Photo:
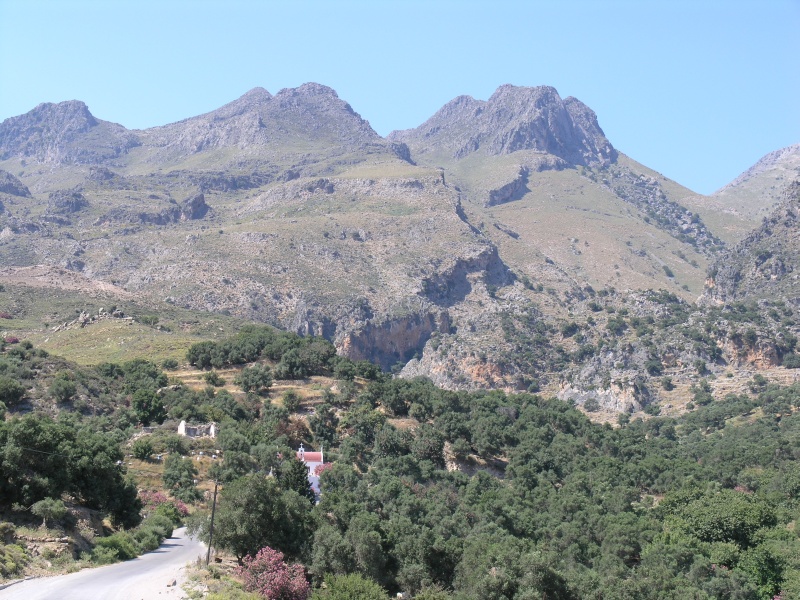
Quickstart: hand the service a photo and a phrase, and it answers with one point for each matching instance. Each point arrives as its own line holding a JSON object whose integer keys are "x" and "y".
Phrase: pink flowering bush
{"x": 152, "y": 500}
{"x": 182, "y": 508}
{"x": 268, "y": 575}
{"x": 320, "y": 469}
{"x": 10, "y": 339}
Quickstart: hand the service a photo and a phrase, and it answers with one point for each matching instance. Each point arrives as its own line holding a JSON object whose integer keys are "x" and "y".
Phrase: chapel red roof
{"x": 310, "y": 457}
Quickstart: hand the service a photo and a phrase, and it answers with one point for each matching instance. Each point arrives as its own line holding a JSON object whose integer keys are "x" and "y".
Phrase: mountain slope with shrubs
{"x": 289, "y": 209}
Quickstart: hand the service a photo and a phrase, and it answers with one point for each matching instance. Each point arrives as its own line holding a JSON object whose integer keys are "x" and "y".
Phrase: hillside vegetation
{"x": 465, "y": 494}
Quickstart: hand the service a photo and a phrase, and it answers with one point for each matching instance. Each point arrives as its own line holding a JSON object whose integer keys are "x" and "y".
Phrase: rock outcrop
{"x": 66, "y": 202}
{"x": 394, "y": 340}
{"x": 12, "y": 186}
{"x": 194, "y": 207}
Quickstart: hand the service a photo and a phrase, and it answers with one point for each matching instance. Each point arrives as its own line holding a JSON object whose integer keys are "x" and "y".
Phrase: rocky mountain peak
{"x": 250, "y": 102}
{"x": 316, "y": 97}
{"x": 72, "y": 115}
{"x": 63, "y": 132}
{"x": 310, "y": 119}
{"x": 257, "y": 94}
{"x": 458, "y": 106}
{"x": 40, "y": 130}
{"x": 523, "y": 96}
{"x": 514, "y": 118}
{"x": 309, "y": 89}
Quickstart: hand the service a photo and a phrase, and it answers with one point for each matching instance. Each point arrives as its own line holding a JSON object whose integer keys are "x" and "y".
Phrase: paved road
{"x": 144, "y": 578}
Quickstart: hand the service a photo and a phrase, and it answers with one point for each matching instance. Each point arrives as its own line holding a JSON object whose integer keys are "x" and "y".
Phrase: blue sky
{"x": 698, "y": 90}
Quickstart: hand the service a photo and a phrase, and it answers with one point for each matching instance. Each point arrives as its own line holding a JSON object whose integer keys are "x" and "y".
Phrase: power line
{"x": 39, "y": 451}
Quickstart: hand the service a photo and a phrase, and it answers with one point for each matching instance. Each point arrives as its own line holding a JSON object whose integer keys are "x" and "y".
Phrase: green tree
{"x": 331, "y": 553}
{"x": 179, "y": 476}
{"x": 253, "y": 513}
{"x": 349, "y": 587}
{"x": 257, "y": 378}
{"x": 148, "y": 407}
{"x": 366, "y": 543}
{"x": 63, "y": 388}
{"x": 432, "y": 593}
{"x": 235, "y": 465}
{"x": 176, "y": 444}
{"x": 323, "y": 424}
{"x": 344, "y": 369}
{"x": 142, "y": 374}
{"x": 52, "y": 509}
{"x": 213, "y": 378}
{"x": 294, "y": 476}
{"x": 142, "y": 448}
{"x": 764, "y": 569}
{"x": 42, "y": 458}
{"x": 428, "y": 444}
{"x": 291, "y": 400}
{"x": 724, "y": 516}
{"x": 291, "y": 366}
{"x": 200, "y": 354}
{"x": 11, "y": 391}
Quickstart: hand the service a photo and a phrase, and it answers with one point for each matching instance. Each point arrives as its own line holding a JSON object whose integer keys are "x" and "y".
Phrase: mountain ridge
{"x": 457, "y": 250}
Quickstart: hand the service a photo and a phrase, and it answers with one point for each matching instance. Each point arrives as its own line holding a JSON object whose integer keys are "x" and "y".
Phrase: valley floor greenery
{"x": 439, "y": 494}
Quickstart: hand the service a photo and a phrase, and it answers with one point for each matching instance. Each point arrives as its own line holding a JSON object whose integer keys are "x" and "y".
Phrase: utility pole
{"x": 211, "y": 528}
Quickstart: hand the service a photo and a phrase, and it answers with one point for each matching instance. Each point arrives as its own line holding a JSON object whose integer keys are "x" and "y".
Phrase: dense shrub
{"x": 179, "y": 476}
{"x": 257, "y": 378}
{"x": 213, "y": 378}
{"x": 11, "y": 391}
{"x": 267, "y": 574}
{"x": 158, "y": 503}
{"x": 142, "y": 449}
{"x": 349, "y": 587}
{"x": 291, "y": 400}
{"x": 297, "y": 356}
{"x": 62, "y": 388}
{"x": 791, "y": 361}
{"x": 121, "y": 546}
{"x": 13, "y": 559}
{"x": 159, "y": 523}
{"x": 654, "y": 367}
{"x": 147, "y": 538}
